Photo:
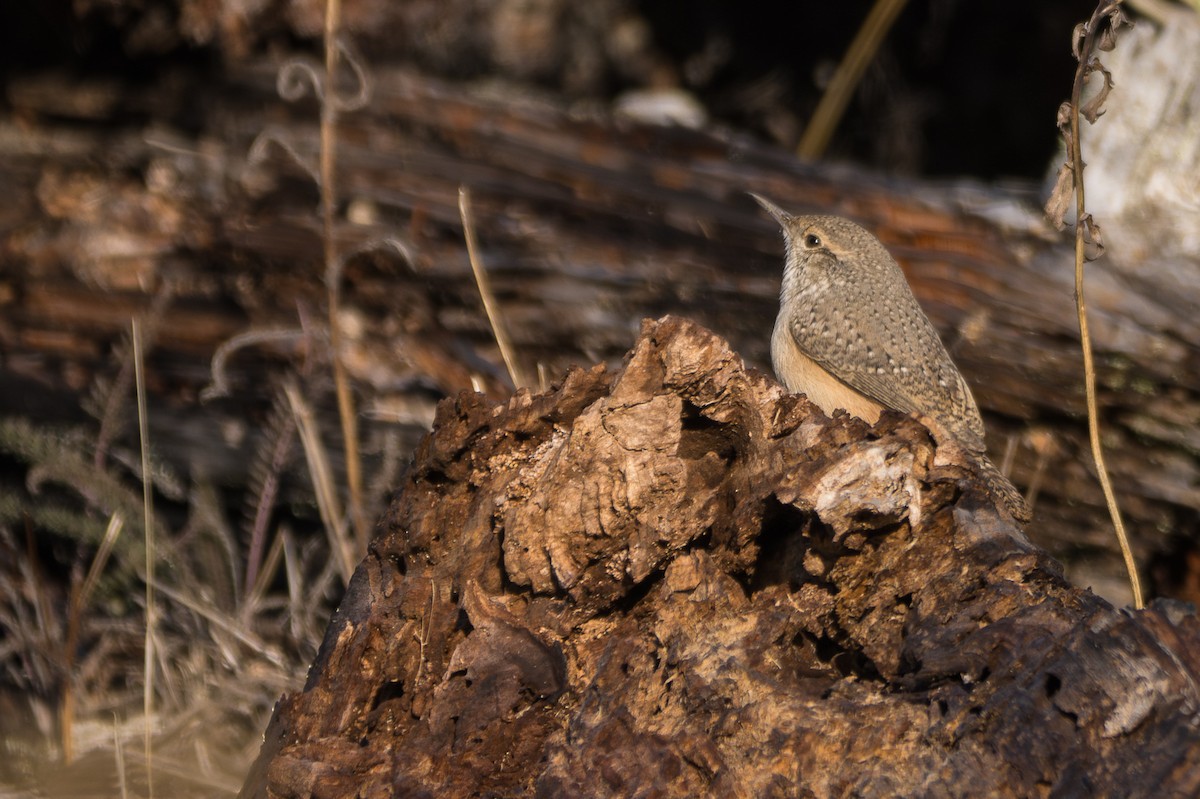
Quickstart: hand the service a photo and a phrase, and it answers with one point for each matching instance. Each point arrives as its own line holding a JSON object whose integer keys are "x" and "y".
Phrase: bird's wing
{"x": 912, "y": 373}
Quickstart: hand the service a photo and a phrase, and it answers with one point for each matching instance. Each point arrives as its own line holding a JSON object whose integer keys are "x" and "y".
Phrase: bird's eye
{"x": 812, "y": 241}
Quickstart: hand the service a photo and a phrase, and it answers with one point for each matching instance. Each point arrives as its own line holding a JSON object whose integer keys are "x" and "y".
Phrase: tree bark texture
{"x": 587, "y": 225}
{"x": 675, "y": 579}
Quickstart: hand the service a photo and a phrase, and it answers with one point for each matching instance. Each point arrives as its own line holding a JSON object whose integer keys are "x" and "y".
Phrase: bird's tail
{"x": 1003, "y": 491}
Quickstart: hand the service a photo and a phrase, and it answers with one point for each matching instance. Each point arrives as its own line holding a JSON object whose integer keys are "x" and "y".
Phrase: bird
{"x": 850, "y": 335}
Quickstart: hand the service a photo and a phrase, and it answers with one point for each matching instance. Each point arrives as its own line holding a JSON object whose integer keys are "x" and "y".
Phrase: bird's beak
{"x": 781, "y": 216}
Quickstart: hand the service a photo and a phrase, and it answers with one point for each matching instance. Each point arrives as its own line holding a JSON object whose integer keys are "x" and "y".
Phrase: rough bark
{"x": 674, "y": 579}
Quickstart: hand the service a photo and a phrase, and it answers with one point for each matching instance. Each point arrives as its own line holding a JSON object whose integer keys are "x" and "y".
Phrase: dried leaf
{"x": 1093, "y": 239}
{"x": 1093, "y": 109}
{"x": 1115, "y": 20}
{"x": 1064, "y": 118}
{"x": 1060, "y": 198}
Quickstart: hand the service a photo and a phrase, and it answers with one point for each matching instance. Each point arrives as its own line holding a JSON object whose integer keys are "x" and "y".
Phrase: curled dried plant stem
{"x": 1082, "y": 222}
{"x": 485, "y": 290}
{"x": 362, "y": 94}
{"x": 299, "y": 76}
{"x": 218, "y": 372}
{"x": 261, "y": 146}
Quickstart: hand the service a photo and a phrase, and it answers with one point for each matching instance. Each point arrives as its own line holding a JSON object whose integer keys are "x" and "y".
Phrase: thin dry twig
{"x": 485, "y": 290}
{"x": 1097, "y": 34}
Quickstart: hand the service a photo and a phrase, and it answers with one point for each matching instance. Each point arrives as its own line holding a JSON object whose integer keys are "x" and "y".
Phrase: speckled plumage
{"x": 851, "y": 335}
{"x": 846, "y": 305}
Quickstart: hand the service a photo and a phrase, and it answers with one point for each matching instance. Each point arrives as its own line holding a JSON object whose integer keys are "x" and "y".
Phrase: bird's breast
{"x": 802, "y": 375}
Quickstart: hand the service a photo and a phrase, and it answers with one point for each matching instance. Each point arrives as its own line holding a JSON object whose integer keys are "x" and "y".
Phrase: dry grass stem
{"x": 116, "y": 394}
{"x": 845, "y": 80}
{"x": 258, "y": 592}
{"x": 295, "y": 584}
{"x": 485, "y": 290}
{"x": 148, "y": 521}
{"x": 80, "y": 595}
{"x": 345, "y": 398}
{"x": 323, "y": 484}
{"x": 222, "y": 621}
{"x": 111, "y": 532}
{"x": 119, "y": 754}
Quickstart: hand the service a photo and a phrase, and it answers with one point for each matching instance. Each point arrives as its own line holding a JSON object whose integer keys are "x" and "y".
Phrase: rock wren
{"x": 851, "y": 335}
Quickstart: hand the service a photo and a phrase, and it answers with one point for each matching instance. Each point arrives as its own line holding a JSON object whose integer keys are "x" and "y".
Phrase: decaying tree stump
{"x": 675, "y": 579}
